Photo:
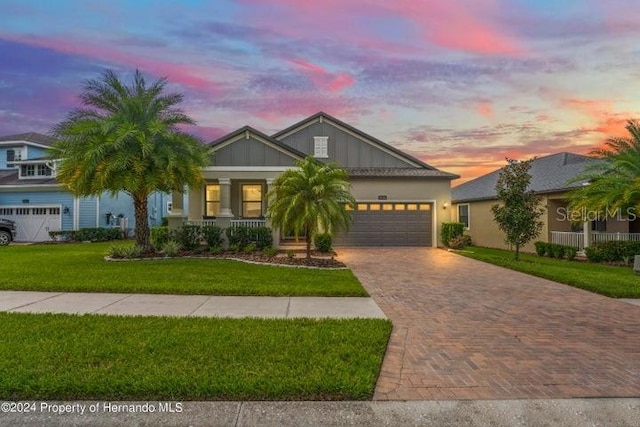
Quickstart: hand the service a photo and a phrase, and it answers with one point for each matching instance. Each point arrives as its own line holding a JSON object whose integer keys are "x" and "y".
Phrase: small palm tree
{"x": 614, "y": 180}
{"x": 310, "y": 198}
{"x": 127, "y": 138}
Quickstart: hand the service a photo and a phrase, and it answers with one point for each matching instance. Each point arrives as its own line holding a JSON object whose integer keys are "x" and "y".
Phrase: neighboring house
{"x": 31, "y": 196}
{"x": 550, "y": 176}
{"x": 401, "y": 200}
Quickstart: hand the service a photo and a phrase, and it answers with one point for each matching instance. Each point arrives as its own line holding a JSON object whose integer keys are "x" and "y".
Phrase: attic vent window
{"x": 321, "y": 147}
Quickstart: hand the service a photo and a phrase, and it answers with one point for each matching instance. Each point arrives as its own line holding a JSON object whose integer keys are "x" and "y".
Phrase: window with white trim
{"x": 463, "y": 215}
{"x": 321, "y": 147}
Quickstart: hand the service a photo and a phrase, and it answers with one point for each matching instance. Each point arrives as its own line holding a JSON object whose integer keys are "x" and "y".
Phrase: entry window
{"x": 252, "y": 200}
{"x": 321, "y": 146}
{"x": 463, "y": 215}
{"x": 212, "y": 199}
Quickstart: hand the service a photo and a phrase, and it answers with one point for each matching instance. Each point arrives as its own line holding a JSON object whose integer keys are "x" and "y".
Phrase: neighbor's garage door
{"x": 389, "y": 224}
{"x": 33, "y": 223}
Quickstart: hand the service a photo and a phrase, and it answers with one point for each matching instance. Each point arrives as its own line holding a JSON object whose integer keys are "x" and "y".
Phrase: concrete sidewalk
{"x": 495, "y": 413}
{"x": 189, "y": 305}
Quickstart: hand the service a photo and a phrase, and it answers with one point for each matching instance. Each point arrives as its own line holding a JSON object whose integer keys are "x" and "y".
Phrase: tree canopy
{"x": 128, "y": 137}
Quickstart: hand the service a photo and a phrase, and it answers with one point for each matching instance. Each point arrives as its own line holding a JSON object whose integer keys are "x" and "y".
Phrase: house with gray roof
{"x": 552, "y": 177}
{"x": 401, "y": 200}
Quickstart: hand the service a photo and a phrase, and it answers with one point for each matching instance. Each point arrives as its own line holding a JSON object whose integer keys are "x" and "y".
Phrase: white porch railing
{"x": 607, "y": 237}
{"x": 200, "y": 222}
{"x": 577, "y": 239}
{"x": 568, "y": 238}
{"x": 251, "y": 223}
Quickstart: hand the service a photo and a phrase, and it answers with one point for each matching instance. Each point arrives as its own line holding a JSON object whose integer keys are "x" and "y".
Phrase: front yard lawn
{"x": 67, "y": 357}
{"x": 616, "y": 282}
{"x": 82, "y": 268}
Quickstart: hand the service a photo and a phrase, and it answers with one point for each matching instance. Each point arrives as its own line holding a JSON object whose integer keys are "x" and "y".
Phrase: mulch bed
{"x": 317, "y": 260}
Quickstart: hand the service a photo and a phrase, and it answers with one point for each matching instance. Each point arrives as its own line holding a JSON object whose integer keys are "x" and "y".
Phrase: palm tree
{"x": 310, "y": 198}
{"x": 614, "y": 180}
{"x": 127, "y": 138}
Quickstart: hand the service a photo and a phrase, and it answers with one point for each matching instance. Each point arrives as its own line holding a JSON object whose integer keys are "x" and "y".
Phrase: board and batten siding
{"x": 343, "y": 148}
{"x": 250, "y": 152}
{"x": 87, "y": 210}
{"x": 42, "y": 198}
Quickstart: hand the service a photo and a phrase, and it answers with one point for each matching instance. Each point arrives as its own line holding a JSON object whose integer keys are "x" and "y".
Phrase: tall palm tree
{"x": 310, "y": 198}
{"x": 127, "y": 138}
{"x": 614, "y": 180}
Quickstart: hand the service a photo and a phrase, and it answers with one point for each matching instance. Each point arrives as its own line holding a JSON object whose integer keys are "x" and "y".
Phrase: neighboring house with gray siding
{"x": 31, "y": 196}
{"x": 401, "y": 200}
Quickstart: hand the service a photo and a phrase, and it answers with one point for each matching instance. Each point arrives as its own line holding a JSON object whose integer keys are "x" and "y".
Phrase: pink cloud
{"x": 322, "y": 78}
{"x": 176, "y": 73}
{"x": 484, "y": 108}
{"x": 454, "y": 24}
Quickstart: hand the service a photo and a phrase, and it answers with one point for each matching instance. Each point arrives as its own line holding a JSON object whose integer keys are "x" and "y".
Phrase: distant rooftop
{"x": 34, "y": 137}
{"x": 548, "y": 174}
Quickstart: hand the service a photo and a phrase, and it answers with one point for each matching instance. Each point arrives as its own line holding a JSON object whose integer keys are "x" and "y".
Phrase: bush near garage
{"x": 451, "y": 230}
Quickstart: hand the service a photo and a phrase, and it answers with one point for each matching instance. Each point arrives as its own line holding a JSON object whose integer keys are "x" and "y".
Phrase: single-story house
{"x": 551, "y": 177}
{"x": 400, "y": 199}
{"x": 31, "y": 196}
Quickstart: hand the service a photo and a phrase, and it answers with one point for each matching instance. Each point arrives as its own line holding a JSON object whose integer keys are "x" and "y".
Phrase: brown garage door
{"x": 389, "y": 224}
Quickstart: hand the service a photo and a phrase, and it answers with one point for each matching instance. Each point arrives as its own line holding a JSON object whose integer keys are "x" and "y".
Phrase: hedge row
{"x": 554, "y": 250}
{"x": 613, "y": 251}
{"x": 87, "y": 235}
{"x": 191, "y": 237}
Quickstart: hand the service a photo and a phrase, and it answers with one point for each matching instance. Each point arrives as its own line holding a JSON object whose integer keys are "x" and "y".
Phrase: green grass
{"x": 616, "y": 282}
{"x": 82, "y": 268}
{"x": 66, "y": 357}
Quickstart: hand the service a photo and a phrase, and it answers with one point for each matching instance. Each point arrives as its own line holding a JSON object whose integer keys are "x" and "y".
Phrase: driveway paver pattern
{"x": 464, "y": 329}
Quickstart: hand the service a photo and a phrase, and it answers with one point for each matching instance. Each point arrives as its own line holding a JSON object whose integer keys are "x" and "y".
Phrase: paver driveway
{"x": 464, "y": 329}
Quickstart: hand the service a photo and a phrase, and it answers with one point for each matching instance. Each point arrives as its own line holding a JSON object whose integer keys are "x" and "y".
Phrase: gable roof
{"x": 312, "y": 119}
{"x": 36, "y": 138}
{"x": 548, "y": 174}
{"x": 218, "y": 143}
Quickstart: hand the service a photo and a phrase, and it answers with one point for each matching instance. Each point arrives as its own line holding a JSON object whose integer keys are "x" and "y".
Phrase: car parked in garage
{"x": 7, "y": 231}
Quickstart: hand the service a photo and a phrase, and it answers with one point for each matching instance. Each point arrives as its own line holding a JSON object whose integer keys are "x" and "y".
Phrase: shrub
{"x": 593, "y": 254}
{"x": 570, "y": 252}
{"x": 212, "y": 234}
{"x": 291, "y": 254}
{"x": 128, "y": 251}
{"x": 458, "y": 242}
{"x": 451, "y": 230}
{"x": 171, "y": 248}
{"x": 189, "y": 236}
{"x": 556, "y": 250}
{"x": 250, "y": 248}
{"x": 270, "y": 252}
{"x": 323, "y": 242}
{"x": 242, "y": 236}
{"x": 159, "y": 236}
{"x": 234, "y": 248}
{"x": 214, "y": 250}
{"x": 542, "y": 248}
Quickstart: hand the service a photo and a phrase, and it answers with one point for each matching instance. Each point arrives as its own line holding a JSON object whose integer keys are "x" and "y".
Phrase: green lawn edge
{"x": 82, "y": 268}
{"x": 611, "y": 281}
{"x": 70, "y": 357}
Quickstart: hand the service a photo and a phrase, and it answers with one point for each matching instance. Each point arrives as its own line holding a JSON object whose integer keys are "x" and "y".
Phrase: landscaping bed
{"x": 67, "y": 357}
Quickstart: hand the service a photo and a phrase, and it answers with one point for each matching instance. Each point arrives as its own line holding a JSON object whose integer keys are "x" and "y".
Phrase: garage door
{"x": 33, "y": 223}
{"x": 389, "y": 224}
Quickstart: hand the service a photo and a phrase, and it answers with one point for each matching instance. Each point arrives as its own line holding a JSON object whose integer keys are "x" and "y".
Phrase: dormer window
{"x": 35, "y": 170}
{"x": 321, "y": 147}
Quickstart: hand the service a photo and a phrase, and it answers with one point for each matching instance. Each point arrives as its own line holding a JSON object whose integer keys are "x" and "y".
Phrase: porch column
{"x": 275, "y": 233}
{"x": 177, "y": 217}
{"x": 225, "y": 198}
{"x": 586, "y": 230}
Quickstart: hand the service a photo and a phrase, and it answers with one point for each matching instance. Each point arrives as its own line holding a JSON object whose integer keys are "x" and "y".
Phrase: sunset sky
{"x": 460, "y": 84}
